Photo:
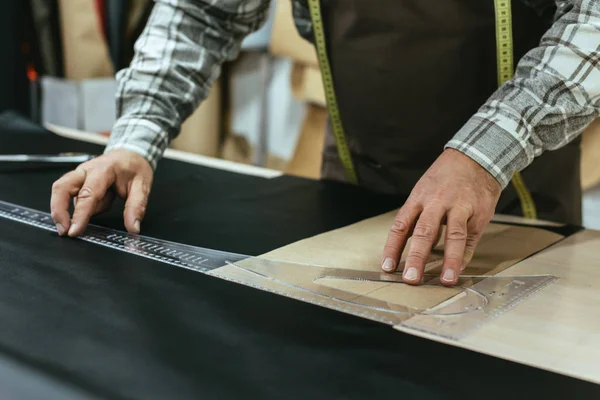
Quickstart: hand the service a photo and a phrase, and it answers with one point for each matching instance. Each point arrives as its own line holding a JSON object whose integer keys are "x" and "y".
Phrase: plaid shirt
{"x": 553, "y": 97}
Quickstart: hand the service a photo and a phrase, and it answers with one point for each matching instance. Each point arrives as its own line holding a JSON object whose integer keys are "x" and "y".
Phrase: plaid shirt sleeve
{"x": 553, "y": 97}
{"x": 178, "y": 58}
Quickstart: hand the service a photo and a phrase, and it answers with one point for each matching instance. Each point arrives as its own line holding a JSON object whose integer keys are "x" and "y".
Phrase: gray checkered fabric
{"x": 553, "y": 97}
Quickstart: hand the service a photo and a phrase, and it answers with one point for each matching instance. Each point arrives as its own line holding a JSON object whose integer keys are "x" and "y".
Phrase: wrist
{"x": 139, "y": 136}
{"x": 492, "y": 147}
{"x": 482, "y": 174}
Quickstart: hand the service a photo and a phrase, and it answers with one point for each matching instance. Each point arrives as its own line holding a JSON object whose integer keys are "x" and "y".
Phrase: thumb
{"x": 135, "y": 206}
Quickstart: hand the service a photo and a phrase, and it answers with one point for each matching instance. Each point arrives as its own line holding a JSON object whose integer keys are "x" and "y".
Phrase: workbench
{"x": 83, "y": 321}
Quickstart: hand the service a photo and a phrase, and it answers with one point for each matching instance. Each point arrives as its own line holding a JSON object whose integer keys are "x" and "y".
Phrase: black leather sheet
{"x": 118, "y": 326}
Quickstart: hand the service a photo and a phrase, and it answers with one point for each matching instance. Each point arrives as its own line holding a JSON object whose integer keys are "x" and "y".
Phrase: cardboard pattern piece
{"x": 358, "y": 247}
{"x": 555, "y": 329}
{"x": 85, "y": 50}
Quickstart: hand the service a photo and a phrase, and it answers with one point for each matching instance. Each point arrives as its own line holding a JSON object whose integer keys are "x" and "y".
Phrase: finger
{"x": 473, "y": 238}
{"x": 475, "y": 228}
{"x": 424, "y": 235}
{"x": 398, "y": 235}
{"x": 436, "y": 242}
{"x": 92, "y": 192}
{"x": 137, "y": 201}
{"x": 455, "y": 242}
{"x": 106, "y": 202}
{"x": 103, "y": 205}
{"x": 62, "y": 190}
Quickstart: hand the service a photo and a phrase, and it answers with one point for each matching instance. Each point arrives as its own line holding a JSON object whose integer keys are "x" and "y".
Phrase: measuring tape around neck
{"x": 330, "y": 97}
{"x": 505, "y": 65}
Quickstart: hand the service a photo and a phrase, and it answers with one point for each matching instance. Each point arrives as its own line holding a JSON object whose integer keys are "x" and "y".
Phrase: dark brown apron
{"x": 409, "y": 73}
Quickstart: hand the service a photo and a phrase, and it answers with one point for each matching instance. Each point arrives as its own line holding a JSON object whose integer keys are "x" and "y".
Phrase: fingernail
{"x": 60, "y": 229}
{"x": 72, "y": 230}
{"x": 411, "y": 274}
{"x": 449, "y": 275}
{"x": 388, "y": 265}
{"x": 136, "y": 225}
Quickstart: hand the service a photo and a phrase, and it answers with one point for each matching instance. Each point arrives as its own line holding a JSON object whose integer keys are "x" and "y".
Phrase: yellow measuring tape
{"x": 332, "y": 107}
{"x": 505, "y": 62}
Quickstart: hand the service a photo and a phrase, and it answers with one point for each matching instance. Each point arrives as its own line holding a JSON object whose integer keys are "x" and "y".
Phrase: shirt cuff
{"x": 497, "y": 150}
{"x": 139, "y": 136}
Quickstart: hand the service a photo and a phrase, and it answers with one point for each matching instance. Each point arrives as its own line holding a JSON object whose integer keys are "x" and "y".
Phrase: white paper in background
{"x": 87, "y": 105}
{"x": 98, "y": 109}
{"x": 60, "y": 102}
{"x": 591, "y": 208}
{"x": 261, "y": 38}
{"x": 285, "y": 114}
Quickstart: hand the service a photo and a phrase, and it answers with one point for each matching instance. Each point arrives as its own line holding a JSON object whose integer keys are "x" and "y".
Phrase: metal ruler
{"x": 505, "y": 66}
{"x": 476, "y": 300}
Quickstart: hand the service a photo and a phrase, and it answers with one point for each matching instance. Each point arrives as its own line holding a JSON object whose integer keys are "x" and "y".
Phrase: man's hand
{"x": 128, "y": 173}
{"x": 455, "y": 190}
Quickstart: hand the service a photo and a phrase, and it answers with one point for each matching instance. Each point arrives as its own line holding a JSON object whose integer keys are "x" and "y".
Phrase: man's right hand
{"x": 93, "y": 185}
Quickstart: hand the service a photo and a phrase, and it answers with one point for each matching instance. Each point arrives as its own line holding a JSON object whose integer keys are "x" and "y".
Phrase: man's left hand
{"x": 456, "y": 191}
